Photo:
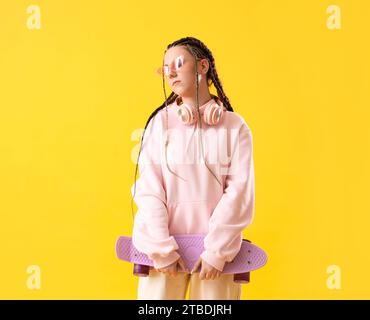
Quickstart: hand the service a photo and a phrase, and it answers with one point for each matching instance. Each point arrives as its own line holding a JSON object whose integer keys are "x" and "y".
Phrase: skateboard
{"x": 249, "y": 258}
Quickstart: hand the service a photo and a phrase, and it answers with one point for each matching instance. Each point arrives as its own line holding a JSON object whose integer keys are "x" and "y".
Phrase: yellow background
{"x": 74, "y": 91}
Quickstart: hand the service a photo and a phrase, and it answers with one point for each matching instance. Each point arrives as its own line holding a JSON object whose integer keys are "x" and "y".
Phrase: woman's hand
{"x": 172, "y": 268}
{"x": 207, "y": 271}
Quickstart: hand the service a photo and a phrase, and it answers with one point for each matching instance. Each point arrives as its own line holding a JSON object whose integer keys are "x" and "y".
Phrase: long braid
{"x": 199, "y": 50}
{"x": 169, "y": 100}
{"x": 199, "y": 117}
{"x": 218, "y": 85}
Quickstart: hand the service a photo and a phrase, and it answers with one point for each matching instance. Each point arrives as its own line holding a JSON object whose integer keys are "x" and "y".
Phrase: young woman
{"x": 196, "y": 177}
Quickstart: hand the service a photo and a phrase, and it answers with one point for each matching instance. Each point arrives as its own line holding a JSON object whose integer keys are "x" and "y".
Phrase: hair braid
{"x": 169, "y": 100}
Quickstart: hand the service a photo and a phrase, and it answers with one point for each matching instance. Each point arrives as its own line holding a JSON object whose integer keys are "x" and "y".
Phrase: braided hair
{"x": 200, "y": 51}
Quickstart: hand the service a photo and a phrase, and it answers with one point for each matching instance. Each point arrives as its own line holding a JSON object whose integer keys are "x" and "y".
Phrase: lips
{"x": 177, "y": 81}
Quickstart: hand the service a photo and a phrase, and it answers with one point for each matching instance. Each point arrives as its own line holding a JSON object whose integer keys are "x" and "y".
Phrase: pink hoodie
{"x": 195, "y": 202}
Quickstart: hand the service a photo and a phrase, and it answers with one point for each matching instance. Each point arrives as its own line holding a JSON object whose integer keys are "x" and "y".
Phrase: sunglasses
{"x": 166, "y": 69}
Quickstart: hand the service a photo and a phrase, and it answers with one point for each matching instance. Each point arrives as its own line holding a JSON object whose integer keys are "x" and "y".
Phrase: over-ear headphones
{"x": 211, "y": 112}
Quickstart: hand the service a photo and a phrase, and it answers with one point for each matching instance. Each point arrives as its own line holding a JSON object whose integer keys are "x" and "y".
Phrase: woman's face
{"x": 179, "y": 68}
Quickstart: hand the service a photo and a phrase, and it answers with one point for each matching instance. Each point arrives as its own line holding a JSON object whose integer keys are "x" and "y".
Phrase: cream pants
{"x": 160, "y": 286}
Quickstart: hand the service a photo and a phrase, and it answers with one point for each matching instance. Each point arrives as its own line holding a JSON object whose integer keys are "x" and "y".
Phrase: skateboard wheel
{"x": 242, "y": 277}
{"x": 141, "y": 270}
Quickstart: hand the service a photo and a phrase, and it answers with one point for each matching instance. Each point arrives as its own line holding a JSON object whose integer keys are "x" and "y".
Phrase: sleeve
{"x": 150, "y": 231}
{"x": 235, "y": 210}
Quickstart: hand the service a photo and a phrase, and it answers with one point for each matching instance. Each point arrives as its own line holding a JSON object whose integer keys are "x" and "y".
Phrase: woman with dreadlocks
{"x": 185, "y": 196}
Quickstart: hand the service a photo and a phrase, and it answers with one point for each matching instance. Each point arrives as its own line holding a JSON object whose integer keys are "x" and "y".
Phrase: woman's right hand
{"x": 172, "y": 268}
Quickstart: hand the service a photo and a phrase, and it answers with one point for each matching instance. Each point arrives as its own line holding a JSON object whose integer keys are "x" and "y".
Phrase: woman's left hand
{"x": 207, "y": 271}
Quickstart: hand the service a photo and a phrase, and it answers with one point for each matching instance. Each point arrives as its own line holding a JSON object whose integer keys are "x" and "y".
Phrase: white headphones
{"x": 212, "y": 115}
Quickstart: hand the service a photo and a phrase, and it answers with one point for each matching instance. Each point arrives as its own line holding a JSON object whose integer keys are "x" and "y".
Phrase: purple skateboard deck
{"x": 249, "y": 258}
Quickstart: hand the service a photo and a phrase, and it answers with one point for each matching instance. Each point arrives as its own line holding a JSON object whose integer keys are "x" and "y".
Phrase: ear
{"x": 204, "y": 66}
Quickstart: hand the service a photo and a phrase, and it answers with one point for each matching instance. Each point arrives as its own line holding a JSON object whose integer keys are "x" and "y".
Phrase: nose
{"x": 172, "y": 73}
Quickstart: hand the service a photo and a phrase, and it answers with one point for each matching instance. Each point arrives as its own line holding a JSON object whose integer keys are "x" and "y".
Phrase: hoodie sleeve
{"x": 235, "y": 210}
{"x": 150, "y": 231}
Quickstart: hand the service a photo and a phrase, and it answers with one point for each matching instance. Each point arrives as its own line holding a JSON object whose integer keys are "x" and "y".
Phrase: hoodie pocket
{"x": 189, "y": 217}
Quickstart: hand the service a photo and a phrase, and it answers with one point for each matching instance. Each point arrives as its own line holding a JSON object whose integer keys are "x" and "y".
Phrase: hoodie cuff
{"x": 161, "y": 262}
{"x": 213, "y": 260}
